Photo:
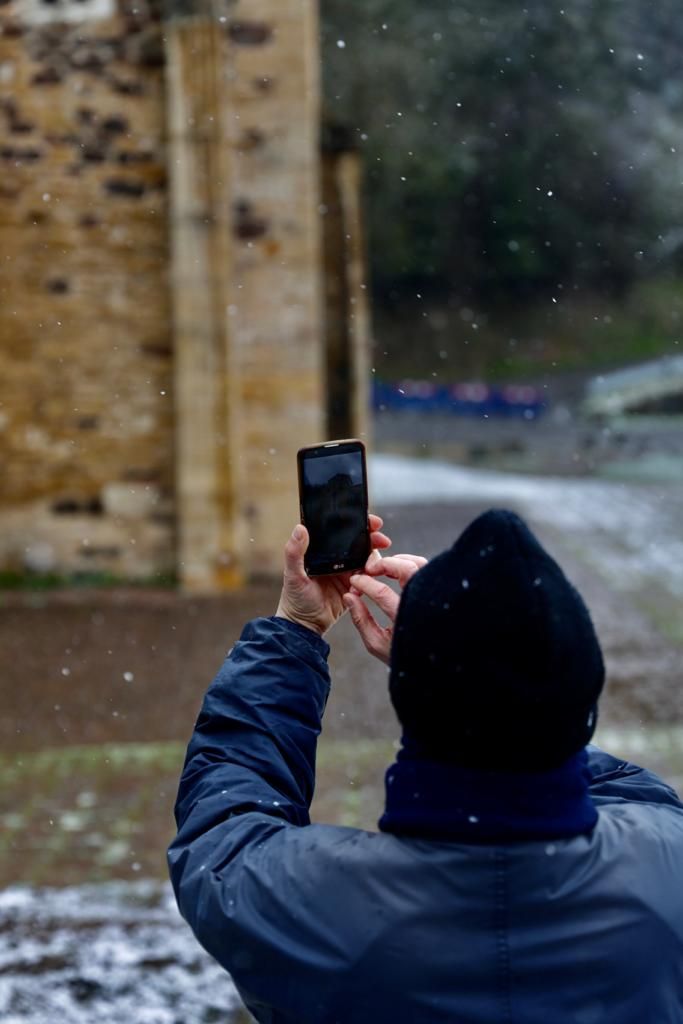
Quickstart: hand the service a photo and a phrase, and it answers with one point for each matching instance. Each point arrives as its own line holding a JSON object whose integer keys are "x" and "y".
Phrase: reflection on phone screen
{"x": 335, "y": 508}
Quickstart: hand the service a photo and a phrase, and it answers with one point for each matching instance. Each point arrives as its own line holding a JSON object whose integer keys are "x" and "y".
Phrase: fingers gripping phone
{"x": 333, "y": 496}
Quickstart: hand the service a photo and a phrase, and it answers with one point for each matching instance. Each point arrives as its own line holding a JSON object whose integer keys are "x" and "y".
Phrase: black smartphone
{"x": 333, "y": 495}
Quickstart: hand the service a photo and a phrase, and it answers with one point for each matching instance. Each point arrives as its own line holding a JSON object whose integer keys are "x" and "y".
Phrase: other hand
{"x": 317, "y": 601}
{"x": 376, "y": 638}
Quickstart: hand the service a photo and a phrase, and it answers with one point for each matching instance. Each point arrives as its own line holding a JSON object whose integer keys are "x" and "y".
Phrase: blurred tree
{"x": 512, "y": 147}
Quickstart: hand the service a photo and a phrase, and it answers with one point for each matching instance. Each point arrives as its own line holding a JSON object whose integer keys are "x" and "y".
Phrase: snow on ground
{"x": 105, "y": 954}
{"x": 633, "y": 534}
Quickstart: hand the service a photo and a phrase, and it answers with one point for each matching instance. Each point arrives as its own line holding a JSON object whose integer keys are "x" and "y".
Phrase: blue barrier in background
{"x": 465, "y": 399}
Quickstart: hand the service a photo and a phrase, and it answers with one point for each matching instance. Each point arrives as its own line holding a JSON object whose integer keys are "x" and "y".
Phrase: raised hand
{"x": 376, "y": 638}
{"x": 317, "y": 602}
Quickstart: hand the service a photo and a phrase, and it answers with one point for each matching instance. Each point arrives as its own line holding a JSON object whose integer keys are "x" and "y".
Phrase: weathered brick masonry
{"x": 162, "y": 301}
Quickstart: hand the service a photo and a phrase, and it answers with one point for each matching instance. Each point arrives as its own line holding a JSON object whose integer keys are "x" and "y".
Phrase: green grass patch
{"x": 92, "y": 814}
{"x": 664, "y": 613}
{"x": 87, "y": 813}
{"x": 350, "y": 781}
{"x": 42, "y": 581}
{"x": 659, "y": 748}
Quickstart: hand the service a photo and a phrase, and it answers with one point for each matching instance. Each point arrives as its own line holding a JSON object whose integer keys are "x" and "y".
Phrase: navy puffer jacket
{"x": 327, "y": 925}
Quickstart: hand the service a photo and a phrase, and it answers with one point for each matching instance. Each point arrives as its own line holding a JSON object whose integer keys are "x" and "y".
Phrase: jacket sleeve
{"x": 614, "y": 780}
{"x": 250, "y": 765}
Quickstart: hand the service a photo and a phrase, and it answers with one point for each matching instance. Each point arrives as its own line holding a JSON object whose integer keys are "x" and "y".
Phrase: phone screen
{"x": 334, "y": 507}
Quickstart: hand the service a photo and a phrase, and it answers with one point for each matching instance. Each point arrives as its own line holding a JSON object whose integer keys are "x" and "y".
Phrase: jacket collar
{"x": 441, "y": 800}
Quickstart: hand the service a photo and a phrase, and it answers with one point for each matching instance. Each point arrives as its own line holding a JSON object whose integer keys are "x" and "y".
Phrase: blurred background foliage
{"x": 519, "y": 158}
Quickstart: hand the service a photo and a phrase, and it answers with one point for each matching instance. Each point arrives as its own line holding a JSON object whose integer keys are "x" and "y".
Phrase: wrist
{"x": 314, "y": 627}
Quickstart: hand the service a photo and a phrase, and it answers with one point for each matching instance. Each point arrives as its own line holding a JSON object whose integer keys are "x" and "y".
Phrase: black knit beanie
{"x": 495, "y": 663}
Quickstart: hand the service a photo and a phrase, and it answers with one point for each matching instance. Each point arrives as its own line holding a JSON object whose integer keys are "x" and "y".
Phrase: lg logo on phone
{"x": 339, "y": 566}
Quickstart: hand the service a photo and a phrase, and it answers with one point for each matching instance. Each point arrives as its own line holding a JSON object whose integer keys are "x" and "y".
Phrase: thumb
{"x": 295, "y": 549}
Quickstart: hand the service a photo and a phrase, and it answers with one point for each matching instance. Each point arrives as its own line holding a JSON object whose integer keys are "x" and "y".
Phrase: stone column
{"x": 208, "y": 418}
{"x": 349, "y": 173}
{"x": 347, "y": 316}
{"x": 276, "y": 302}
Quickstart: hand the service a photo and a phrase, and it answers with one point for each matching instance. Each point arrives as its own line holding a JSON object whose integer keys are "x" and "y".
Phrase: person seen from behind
{"x": 519, "y": 873}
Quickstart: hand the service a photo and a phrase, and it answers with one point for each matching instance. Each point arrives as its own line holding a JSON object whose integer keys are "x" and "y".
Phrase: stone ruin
{"x": 182, "y": 302}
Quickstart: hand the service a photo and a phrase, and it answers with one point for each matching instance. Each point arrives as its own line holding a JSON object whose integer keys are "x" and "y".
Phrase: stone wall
{"x": 162, "y": 335}
{"x": 85, "y": 357}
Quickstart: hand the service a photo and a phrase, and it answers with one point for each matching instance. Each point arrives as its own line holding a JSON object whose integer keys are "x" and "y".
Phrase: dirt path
{"x": 132, "y": 666}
